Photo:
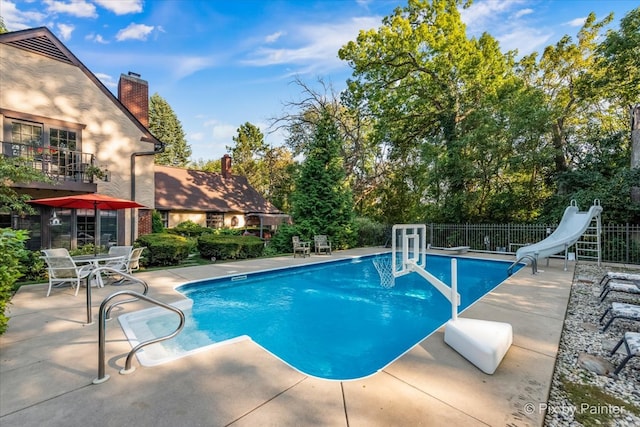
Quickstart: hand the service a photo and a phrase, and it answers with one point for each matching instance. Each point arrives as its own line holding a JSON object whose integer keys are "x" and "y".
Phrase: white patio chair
{"x": 122, "y": 264}
{"x": 63, "y": 269}
{"x": 134, "y": 259}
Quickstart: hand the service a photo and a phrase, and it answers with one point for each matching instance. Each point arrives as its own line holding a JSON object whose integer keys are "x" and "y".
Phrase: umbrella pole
{"x": 96, "y": 240}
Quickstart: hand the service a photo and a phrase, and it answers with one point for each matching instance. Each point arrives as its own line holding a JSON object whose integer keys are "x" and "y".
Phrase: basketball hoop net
{"x": 383, "y": 266}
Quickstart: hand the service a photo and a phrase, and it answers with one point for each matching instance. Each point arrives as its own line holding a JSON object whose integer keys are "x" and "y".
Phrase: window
{"x": 215, "y": 220}
{"x": 26, "y": 138}
{"x": 62, "y": 139}
{"x": 29, "y": 134}
{"x": 165, "y": 218}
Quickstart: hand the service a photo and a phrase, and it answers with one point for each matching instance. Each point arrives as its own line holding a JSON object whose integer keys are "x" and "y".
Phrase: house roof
{"x": 192, "y": 190}
{"x": 43, "y": 42}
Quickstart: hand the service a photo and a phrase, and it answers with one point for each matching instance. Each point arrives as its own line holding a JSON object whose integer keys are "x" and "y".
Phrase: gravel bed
{"x": 581, "y": 335}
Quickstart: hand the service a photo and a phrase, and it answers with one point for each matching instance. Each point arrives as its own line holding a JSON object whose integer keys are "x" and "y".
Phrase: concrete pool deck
{"x": 49, "y": 358}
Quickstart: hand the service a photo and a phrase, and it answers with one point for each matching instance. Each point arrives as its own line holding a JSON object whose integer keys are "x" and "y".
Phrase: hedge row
{"x": 229, "y": 247}
{"x": 164, "y": 249}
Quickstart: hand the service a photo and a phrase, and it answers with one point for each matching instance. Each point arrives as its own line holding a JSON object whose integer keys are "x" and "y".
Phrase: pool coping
{"x": 49, "y": 360}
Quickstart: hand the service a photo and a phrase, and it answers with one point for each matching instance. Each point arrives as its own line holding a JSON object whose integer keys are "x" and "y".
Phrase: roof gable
{"x": 192, "y": 190}
{"x": 43, "y": 42}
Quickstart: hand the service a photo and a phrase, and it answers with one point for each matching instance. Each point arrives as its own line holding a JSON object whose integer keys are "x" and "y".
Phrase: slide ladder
{"x": 571, "y": 229}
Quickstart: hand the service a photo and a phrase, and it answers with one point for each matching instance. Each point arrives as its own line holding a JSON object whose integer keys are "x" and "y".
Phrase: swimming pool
{"x": 331, "y": 320}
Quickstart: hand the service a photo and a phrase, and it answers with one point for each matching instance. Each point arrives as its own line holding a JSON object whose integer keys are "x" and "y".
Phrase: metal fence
{"x": 620, "y": 243}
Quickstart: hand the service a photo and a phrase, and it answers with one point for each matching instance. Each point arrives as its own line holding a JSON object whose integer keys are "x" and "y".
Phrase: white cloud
{"x": 578, "y": 22}
{"x": 513, "y": 26}
{"x": 121, "y": 7}
{"x": 134, "y": 32}
{"x": 482, "y": 12}
{"x": 96, "y": 38}
{"x": 16, "y": 19}
{"x": 79, "y": 8}
{"x": 523, "y": 12}
{"x": 525, "y": 40}
{"x": 185, "y": 66}
{"x": 271, "y": 38}
{"x": 65, "y": 31}
{"x": 106, "y": 80}
{"x": 312, "y": 46}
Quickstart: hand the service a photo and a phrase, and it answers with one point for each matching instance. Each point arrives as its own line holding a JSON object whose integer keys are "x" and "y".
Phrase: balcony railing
{"x": 59, "y": 164}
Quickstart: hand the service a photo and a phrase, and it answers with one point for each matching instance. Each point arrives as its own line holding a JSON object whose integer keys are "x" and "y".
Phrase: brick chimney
{"x": 133, "y": 92}
{"x": 225, "y": 166}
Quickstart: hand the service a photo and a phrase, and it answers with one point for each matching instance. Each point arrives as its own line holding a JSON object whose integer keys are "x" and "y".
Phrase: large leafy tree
{"x": 364, "y": 162}
{"x": 165, "y": 126}
{"x": 248, "y": 154}
{"x": 436, "y": 98}
{"x": 322, "y": 201}
{"x": 619, "y": 55}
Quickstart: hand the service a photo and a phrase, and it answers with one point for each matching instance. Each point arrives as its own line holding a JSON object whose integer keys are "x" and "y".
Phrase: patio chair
{"x": 300, "y": 247}
{"x": 632, "y": 287}
{"x": 57, "y": 252}
{"x": 322, "y": 244}
{"x": 121, "y": 265}
{"x": 631, "y": 342}
{"x": 617, "y": 275}
{"x": 134, "y": 259}
{"x": 63, "y": 269}
{"x": 620, "y": 310}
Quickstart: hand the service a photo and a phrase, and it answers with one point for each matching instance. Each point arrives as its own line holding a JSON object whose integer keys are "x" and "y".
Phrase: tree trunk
{"x": 635, "y": 147}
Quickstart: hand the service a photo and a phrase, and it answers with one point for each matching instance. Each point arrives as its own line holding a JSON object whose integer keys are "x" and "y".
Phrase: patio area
{"x": 50, "y": 358}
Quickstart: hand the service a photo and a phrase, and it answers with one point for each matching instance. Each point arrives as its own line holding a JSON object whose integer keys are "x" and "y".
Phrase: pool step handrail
{"x": 534, "y": 264}
{"x": 102, "y": 317}
{"x": 99, "y": 270}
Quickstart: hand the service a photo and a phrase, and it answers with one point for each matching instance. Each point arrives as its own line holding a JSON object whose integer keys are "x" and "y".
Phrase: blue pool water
{"x": 330, "y": 320}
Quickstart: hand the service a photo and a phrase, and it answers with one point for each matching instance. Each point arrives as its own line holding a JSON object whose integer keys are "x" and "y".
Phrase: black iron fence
{"x": 59, "y": 164}
{"x": 620, "y": 243}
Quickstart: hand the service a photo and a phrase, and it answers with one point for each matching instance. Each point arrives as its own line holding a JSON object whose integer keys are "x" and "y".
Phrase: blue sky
{"x": 221, "y": 63}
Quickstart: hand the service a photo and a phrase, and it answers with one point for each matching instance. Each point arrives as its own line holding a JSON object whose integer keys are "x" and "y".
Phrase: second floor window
{"x": 62, "y": 139}
{"x": 27, "y": 134}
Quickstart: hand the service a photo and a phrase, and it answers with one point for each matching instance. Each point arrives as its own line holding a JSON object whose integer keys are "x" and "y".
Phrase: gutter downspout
{"x": 133, "y": 184}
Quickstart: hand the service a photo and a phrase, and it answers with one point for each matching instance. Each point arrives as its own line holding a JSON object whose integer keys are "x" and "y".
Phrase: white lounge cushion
{"x": 482, "y": 342}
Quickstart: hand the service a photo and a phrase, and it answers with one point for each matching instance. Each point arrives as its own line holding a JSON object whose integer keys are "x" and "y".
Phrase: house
{"x": 214, "y": 200}
{"x": 57, "y": 114}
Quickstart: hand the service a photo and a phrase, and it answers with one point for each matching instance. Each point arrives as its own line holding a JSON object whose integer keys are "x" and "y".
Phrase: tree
{"x": 364, "y": 160}
{"x": 165, "y": 126}
{"x": 620, "y": 57}
{"x": 17, "y": 170}
{"x": 248, "y": 154}
{"x": 435, "y": 97}
{"x": 322, "y": 201}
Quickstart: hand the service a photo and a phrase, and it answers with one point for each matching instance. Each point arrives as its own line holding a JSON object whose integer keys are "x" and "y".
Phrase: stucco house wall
{"x": 41, "y": 89}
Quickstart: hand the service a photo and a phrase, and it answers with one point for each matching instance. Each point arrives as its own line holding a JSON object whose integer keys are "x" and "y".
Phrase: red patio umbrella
{"x": 89, "y": 201}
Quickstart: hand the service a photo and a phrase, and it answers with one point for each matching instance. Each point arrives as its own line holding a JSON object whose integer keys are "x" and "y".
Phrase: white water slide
{"x": 572, "y": 226}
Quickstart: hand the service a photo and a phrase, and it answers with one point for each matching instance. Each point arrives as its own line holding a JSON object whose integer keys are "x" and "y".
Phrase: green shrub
{"x": 157, "y": 226}
{"x": 32, "y": 267}
{"x": 229, "y": 247}
{"x": 189, "y": 229}
{"x": 281, "y": 241}
{"x": 370, "y": 233}
{"x": 12, "y": 250}
{"x": 164, "y": 249}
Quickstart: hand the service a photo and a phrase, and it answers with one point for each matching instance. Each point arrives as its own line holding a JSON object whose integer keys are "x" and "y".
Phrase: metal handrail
{"x": 534, "y": 264}
{"x": 102, "y": 377}
{"x": 127, "y": 276}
